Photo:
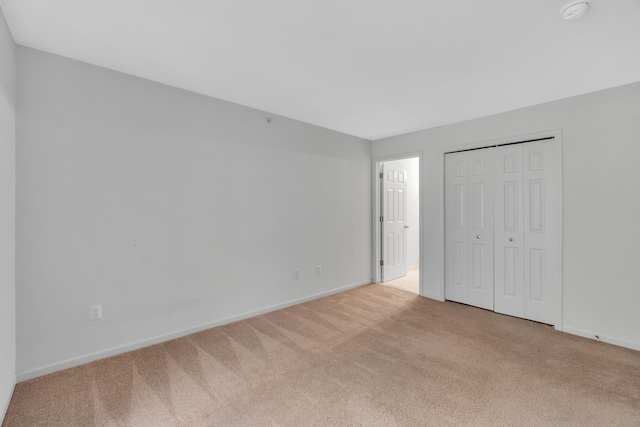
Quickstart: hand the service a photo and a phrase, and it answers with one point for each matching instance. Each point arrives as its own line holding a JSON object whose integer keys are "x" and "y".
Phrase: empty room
{"x": 324, "y": 213}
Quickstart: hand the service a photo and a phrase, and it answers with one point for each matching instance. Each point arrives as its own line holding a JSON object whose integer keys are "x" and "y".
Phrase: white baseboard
{"x": 81, "y": 360}
{"x": 603, "y": 338}
{"x": 5, "y": 405}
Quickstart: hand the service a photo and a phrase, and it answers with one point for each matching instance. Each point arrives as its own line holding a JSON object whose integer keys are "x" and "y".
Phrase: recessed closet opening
{"x": 502, "y": 224}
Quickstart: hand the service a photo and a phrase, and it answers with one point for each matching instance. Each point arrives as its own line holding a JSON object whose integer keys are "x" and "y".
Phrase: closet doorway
{"x": 502, "y": 228}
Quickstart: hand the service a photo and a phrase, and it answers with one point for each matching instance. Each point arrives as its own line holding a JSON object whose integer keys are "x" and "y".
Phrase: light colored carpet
{"x": 372, "y": 356}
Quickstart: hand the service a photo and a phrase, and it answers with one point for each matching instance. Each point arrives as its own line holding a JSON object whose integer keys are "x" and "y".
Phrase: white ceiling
{"x": 370, "y": 68}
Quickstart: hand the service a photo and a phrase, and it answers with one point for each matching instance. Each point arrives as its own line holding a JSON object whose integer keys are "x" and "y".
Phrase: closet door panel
{"x": 457, "y": 227}
{"x": 540, "y": 204}
{"x": 481, "y": 228}
{"x": 508, "y": 230}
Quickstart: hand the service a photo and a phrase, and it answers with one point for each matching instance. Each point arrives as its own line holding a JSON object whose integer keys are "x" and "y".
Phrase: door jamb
{"x": 375, "y": 198}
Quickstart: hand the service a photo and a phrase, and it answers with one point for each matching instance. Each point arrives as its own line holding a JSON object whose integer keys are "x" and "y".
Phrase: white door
{"x": 394, "y": 211}
{"x": 508, "y": 232}
{"x": 469, "y": 227}
{"x": 541, "y": 230}
{"x": 457, "y": 227}
{"x": 481, "y": 207}
{"x": 501, "y": 228}
{"x": 526, "y": 230}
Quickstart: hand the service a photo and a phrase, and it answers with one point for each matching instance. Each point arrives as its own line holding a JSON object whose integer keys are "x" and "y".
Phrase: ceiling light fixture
{"x": 574, "y": 10}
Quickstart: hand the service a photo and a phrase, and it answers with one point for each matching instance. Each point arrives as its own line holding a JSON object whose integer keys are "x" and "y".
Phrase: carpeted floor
{"x": 372, "y": 356}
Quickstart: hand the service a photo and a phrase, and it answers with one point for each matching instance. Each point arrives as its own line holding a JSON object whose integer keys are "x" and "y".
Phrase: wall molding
{"x": 5, "y": 405}
{"x": 114, "y": 351}
{"x": 603, "y": 338}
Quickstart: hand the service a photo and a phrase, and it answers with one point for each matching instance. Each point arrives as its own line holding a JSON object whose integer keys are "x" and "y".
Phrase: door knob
{"x": 511, "y": 239}
{"x": 478, "y": 236}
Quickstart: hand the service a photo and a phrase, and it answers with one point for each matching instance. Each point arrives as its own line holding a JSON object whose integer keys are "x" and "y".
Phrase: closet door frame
{"x": 556, "y": 134}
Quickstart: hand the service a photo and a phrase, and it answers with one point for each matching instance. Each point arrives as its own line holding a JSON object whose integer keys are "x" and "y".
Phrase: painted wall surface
{"x": 601, "y": 207}
{"x": 170, "y": 209}
{"x": 412, "y": 167}
{"x": 7, "y": 216}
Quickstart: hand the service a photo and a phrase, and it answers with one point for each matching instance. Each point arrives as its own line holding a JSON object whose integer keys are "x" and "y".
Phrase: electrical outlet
{"x": 318, "y": 270}
{"x": 95, "y": 312}
{"x": 296, "y": 274}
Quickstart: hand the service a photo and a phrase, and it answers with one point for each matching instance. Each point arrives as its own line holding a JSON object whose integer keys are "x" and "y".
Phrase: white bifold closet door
{"x": 501, "y": 229}
{"x": 469, "y": 228}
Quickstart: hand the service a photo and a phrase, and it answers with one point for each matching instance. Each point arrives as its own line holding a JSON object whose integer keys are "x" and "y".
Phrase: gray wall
{"x": 173, "y": 210}
{"x": 7, "y": 216}
{"x": 601, "y": 203}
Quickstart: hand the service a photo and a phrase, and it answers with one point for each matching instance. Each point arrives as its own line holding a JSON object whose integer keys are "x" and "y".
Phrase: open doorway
{"x": 398, "y": 227}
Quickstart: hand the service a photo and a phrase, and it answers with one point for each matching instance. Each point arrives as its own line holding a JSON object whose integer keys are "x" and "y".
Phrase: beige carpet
{"x": 373, "y": 356}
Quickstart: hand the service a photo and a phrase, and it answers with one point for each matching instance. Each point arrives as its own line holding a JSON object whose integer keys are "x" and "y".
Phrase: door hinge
{"x": 381, "y": 262}
{"x": 381, "y": 175}
{"x": 381, "y": 219}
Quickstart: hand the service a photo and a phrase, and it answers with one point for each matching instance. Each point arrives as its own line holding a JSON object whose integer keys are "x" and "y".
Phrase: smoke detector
{"x": 574, "y": 10}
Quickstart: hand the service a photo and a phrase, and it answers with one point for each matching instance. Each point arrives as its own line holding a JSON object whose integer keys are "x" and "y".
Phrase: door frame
{"x": 376, "y": 213}
{"x": 557, "y": 135}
